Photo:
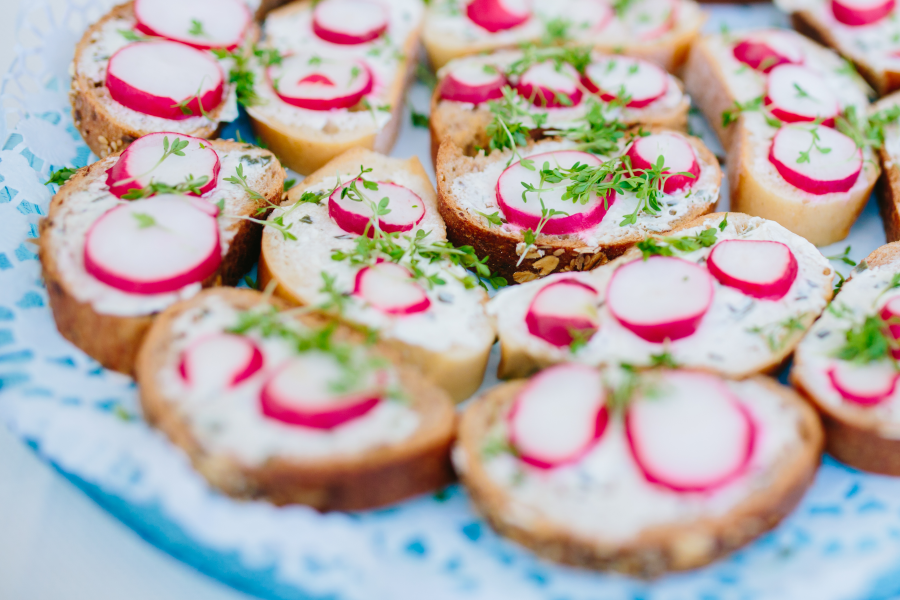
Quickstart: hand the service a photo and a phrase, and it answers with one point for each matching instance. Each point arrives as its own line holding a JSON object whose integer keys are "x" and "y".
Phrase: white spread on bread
{"x": 454, "y": 321}
{"x": 230, "y": 422}
{"x": 81, "y": 209}
{"x": 291, "y": 32}
{"x": 476, "y": 191}
{"x": 726, "y": 341}
{"x": 863, "y": 295}
{"x": 605, "y": 497}
{"x": 92, "y": 65}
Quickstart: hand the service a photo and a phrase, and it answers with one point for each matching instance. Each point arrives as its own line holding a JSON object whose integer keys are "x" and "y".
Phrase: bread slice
{"x": 107, "y": 126}
{"x": 716, "y": 81}
{"x": 305, "y": 140}
{"x": 739, "y": 336}
{"x": 504, "y": 245}
{"x": 612, "y": 518}
{"x": 863, "y": 436}
{"x": 450, "y": 342}
{"x": 269, "y": 460}
{"x": 449, "y": 34}
{"x": 873, "y": 60}
{"x": 105, "y": 323}
{"x": 465, "y": 124}
{"x": 888, "y": 187}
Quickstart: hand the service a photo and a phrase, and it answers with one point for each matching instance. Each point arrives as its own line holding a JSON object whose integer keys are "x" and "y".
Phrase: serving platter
{"x": 842, "y": 542}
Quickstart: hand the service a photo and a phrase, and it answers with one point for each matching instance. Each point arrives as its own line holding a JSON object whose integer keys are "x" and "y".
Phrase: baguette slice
{"x": 450, "y": 341}
{"x": 107, "y": 126}
{"x": 108, "y": 324}
{"x": 466, "y": 185}
{"x": 448, "y": 33}
{"x": 739, "y": 336}
{"x": 868, "y": 48}
{"x": 863, "y": 436}
{"x": 717, "y": 82}
{"x": 307, "y": 139}
{"x": 465, "y": 124}
{"x": 888, "y": 188}
{"x": 392, "y": 452}
{"x": 599, "y": 512}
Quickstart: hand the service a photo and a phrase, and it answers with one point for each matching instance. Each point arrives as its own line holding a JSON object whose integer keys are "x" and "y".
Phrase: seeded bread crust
{"x": 91, "y": 102}
{"x": 884, "y": 81}
{"x": 466, "y": 128}
{"x": 656, "y": 550}
{"x": 516, "y": 361}
{"x": 111, "y": 340}
{"x": 304, "y": 150}
{"x": 354, "y": 481}
{"x": 669, "y": 52}
{"x": 852, "y": 433}
{"x": 552, "y": 253}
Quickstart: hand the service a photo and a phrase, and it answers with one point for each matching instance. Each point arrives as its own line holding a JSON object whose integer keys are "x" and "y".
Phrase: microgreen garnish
{"x": 143, "y": 220}
{"x": 241, "y": 180}
{"x": 801, "y": 93}
{"x": 288, "y": 184}
{"x": 577, "y": 56}
{"x": 667, "y": 246}
{"x": 804, "y": 154}
{"x": 777, "y": 335}
{"x": 844, "y": 257}
{"x": 493, "y": 218}
{"x": 556, "y": 31}
{"x": 190, "y": 185}
{"x": 419, "y": 119}
{"x": 867, "y": 342}
{"x": 196, "y": 28}
{"x": 241, "y": 73}
{"x": 132, "y": 36}
{"x": 595, "y": 132}
{"x": 731, "y": 115}
{"x": 176, "y": 148}
{"x": 508, "y": 129}
{"x": 663, "y": 359}
{"x": 531, "y": 236}
{"x": 724, "y": 223}
{"x": 60, "y": 176}
{"x": 866, "y": 131}
{"x": 426, "y": 76}
{"x": 186, "y": 110}
{"x": 580, "y": 339}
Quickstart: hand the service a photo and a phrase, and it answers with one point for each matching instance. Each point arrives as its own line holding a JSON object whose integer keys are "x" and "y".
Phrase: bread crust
{"x": 656, "y": 550}
{"x": 357, "y": 481}
{"x": 467, "y": 128}
{"x": 889, "y": 196}
{"x": 102, "y": 131}
{"x": 852, "y": 433}
{"x": 705, "y": 82}
{"x": 557, "y": 254}
{"x": 112, "y": 340}
{"x": 306, "y": 152}
{"x": 516, "y": 362}
{"x": 883, "y": 81}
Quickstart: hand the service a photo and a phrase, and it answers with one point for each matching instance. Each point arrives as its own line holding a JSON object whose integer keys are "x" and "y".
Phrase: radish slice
{"x": 561, "y": 308}
{"x": 650, "y": 19}
{"x": 758, "y": 268}
{"x": 796, "y": 93}
{"x": 153, "y": 246}
{"x": 498, "y": 15}
{"x": 660, "y": 298}
{"x": 558, "y": 416}
{"x": 861, "y": 12}
{"x": 891, "y": 315}
{"x": 867, "y": 384}
{"x": 832, "y": 171}
{"x": 390, "y": 288}
{"x": 349, "y": 22}
{"x": 165, "y": 79}
{"x": 692, "y": 435}
{"x": 353, "y": 216}
{"x": 220, "y": 361}
{"x": 139, "y": 165}
{"x": 547, "y": 86}
{"x": 678, "y": 157}
{"x": 326, "y": 85}
{"x": 202, "y": 24}
{"x": 526, "y": 212}
{"x": 472, "y": 82}
{"x": 303, "y": 393}
{"x": 766, "y": 50}
{"x": 639, "y": 81}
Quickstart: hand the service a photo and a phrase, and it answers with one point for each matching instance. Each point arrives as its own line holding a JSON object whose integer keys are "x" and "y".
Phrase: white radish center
{"x": 143, "y": 155}
{"x": 295, "y": 77}
{"x": 315, "y": 382}
{"x": 566, "y": 301}
{"x": 753, "y": 261}
{"x": 689, "y": 432}
{"x": 475, "y": 75}
{"x": 818, "y": 153}
{"x": 563, "y": 79}
{"x": 213, "y": 362}
{"x": 623, "y": 77}
{"x": 152, "y": 240}
{"x": 782, "y": 44}
{"x": 800, "y": 91}
{"x": 167, "y": 70}
{"x": 355, "y": 18}
{"x": 872, "y": 380}
{"x": 555, "y": 415}
{"x": 213, "y": 23}
{"x": 389, "y": 286}
{"x": 678, "y": 154}
{"x": 659, "y": 290}
{"x": 405, "y": 206}
{"x": 510, "y": 185}
{"x": 649, "y": 19}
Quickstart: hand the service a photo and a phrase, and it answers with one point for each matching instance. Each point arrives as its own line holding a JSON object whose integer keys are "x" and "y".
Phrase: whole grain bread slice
{"x": 550, "y": 253}
{"x": 113, "y": 340}
{"x": 656, "y": 550}
{"x": 348, "y": 481}
{"x": 93, "y": 108}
